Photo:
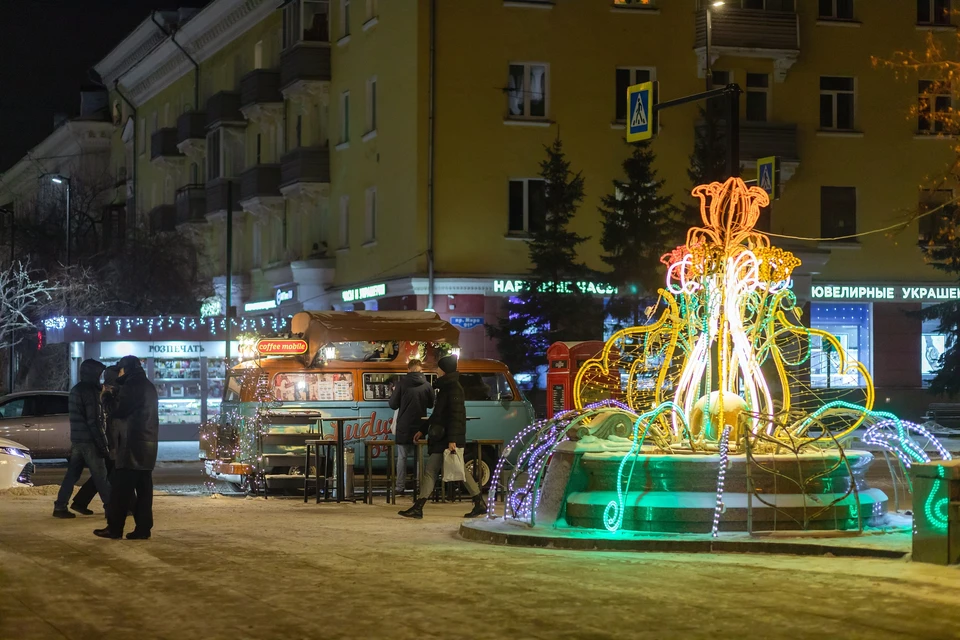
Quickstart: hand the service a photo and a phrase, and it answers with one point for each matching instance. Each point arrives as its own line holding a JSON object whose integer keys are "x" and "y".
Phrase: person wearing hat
{"x": 88, "y": 442}
{"x": 446, "y": 429}
{"x": 137, "y": 420}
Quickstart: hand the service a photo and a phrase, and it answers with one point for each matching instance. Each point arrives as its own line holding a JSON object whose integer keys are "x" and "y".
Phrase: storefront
{"x": 185, "y": 358}
{"x": 878, "y": 324}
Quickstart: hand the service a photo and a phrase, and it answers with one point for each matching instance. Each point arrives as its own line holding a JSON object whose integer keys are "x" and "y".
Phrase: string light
{"x": 159, "y": 324}
{"x": 721, "y": 478}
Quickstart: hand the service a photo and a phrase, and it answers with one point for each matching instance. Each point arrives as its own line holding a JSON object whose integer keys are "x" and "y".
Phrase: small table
{"x": 341, "y": 478}
{"x": 391, "y": 447}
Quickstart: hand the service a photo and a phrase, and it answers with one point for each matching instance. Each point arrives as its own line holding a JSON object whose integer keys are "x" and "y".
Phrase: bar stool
{"x": 391, "y": 448}
{"x": 316, "y": 445}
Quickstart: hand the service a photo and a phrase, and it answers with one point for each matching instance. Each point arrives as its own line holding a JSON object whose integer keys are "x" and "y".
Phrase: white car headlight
{"x": 13, "y": 451}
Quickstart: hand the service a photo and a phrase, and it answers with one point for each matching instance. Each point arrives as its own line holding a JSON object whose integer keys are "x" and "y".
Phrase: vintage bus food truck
{"x": 345, "y": 365}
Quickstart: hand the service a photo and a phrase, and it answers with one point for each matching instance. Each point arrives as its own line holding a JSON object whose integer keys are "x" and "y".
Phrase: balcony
{"x": 762, "y": 139}
{"x": 305, "y": 70}
{"x": 192, "y": 134}
{"x": 163, "y": 218}
{"x": 224, "y": 109}
{"x": 305, "y": 166}
{"x": 191, "y": 202}
{"x": 260, "y": 97}
{"x": 260, "y": 190}
{"x": 163, "y": 146}
{"x": 216, "y": 192}
{"x": 749, "y": 33}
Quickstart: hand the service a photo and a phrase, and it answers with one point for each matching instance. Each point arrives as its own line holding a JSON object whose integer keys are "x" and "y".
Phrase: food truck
{"x": 344, "y": 364}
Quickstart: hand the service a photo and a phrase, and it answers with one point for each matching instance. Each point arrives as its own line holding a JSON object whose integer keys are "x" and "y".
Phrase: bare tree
{"x": 21, "y": 294}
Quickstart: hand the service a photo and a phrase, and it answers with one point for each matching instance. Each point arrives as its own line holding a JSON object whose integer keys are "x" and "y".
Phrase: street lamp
{"x": 707, "y": 37}
{"x": 58, "y": 179}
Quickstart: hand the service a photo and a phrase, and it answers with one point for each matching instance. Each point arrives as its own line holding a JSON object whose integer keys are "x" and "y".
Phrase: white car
{"x": 16, "y": 465}
{"x": 39, "y": 420}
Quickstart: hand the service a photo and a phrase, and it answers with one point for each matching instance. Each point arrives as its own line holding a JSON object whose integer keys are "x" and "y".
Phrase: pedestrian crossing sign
{"x": 767, "y": 178}
{"x": 641, "y": 112}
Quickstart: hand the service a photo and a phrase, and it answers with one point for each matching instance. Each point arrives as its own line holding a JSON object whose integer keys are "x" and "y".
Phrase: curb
{"x": 472, "y": 534}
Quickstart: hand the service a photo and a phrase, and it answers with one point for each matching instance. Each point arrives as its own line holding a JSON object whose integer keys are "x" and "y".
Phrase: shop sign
{"x": 281, "y": 347}
{"x": 364, "y": 293}
{"x": 166, "y": 350}
{"x": 284, "y": 295}
{"x": 884, "y": 292}
{"x": 468, "y": 322}
{"x": 263, "y": 305}
{"x": 569, "y": 286}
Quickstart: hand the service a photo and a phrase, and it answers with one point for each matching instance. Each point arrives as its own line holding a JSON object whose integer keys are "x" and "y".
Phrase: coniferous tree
{"x": 708, "y": 162}
{"x": 639, "y": 226}
{"x": 552, "y": 307}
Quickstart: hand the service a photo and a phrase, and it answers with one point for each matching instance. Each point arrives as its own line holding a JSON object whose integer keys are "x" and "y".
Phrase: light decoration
{"x": 56, "y": 322}
{"x": 722, "y": 363}
{"x": 106, "y": 327}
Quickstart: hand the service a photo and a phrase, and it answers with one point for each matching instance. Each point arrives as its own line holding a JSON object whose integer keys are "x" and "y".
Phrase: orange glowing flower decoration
{"x": 734, "y": 209}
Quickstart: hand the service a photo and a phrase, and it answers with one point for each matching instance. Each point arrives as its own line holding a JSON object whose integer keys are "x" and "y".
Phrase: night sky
{"x": 46, "y": 48}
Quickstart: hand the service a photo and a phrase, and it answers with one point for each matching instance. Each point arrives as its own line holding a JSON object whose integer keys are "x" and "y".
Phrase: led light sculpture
{"x": 720, "y": 375}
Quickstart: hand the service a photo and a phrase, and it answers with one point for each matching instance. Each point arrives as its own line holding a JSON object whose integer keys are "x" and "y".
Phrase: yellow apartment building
{"x": 384, "y": 154}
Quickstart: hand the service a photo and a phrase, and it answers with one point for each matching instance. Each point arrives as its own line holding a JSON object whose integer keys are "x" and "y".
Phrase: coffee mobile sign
{"x": 280, "y": 347}
{"x": 884, "y": 292}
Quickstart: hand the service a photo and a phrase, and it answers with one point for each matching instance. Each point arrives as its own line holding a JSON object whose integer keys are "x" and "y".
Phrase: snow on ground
{"x": 220, "y": 567}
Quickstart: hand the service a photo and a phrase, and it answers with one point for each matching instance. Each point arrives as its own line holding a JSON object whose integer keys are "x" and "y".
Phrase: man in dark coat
{"x": 81, "y": 501}
{"x": 137, "y": 426}
{"x": 88, "y": 442}
{"x": 446, "y": 430}
{"x": 411, "y": 398}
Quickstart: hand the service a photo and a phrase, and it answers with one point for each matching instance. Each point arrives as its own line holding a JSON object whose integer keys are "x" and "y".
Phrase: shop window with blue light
{"x": 851, "y": 324}
{"x": 932, "y": 345}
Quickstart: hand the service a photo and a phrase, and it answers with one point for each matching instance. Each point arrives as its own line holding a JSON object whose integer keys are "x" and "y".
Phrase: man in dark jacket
{"x": 446, "y": 429}
{"x": 411, "y": 398}
{"x": 137, "y": 426}
{"x": 88, "y": 442}
{"x": 108, "y": 396}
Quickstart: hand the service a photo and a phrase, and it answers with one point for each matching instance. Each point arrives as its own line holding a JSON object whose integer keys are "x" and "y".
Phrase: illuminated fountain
{"x": 704, "y": 419}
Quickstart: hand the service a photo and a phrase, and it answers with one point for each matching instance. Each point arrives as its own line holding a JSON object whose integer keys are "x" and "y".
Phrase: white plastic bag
{"x": 393, "y": 424}
{"x": 453, "y": 466}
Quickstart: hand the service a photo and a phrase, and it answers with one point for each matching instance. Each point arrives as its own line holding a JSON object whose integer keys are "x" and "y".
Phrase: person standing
{"x": 81, "y": 501}
{"x": 446, "y": 429}
{"x": 411, "y": 398}
{"x": 137, "y": 435}
{"x": 88, "y": 442}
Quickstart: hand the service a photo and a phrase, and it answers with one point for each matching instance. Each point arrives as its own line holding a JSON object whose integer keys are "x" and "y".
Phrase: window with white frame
{"x": 838, "y": 212}
{"x": 344, "y": 18}
{"x": 625, "y": 77}
{"x": 837, "y": 103}
{"x": 370, "y": 216}
{"x": 527, "y": 90}
{"x": 372, "y": 104}
{"x": 758, "y": 96}
{"x": 836, "y": 10}
{"x": 372, "y": 9}
{"x": 344, "y": 226}
{"x": 214, "y": 155}
{"x": 527, "y": 212}
{"x": 306, "y": 21}
{"x": 344, "y": 117}
{"x": 258, "y": 55}
{"x": 934, "y": 106}
{"x": 933, "y": 12}
{"x": 142, "y": 136}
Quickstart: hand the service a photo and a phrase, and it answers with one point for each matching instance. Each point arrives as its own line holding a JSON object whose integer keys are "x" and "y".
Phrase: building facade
{"x": 386, "y": 154}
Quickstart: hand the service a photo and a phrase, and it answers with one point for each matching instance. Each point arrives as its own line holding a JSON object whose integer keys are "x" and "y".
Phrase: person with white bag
{"x": 446, "y": 439}
{"x": 411, "y": 398}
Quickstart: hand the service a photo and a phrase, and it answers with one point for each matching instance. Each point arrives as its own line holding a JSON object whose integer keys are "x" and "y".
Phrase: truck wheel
{"x": 488, "y": 462}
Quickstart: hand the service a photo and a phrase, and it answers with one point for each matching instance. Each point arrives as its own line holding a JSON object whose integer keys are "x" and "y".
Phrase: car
{"x": 39, "y": 420}
{"x": 16, "y": 465}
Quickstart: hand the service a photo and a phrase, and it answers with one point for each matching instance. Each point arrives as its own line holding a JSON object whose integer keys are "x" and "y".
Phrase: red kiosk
{"x": 565, "y": 360}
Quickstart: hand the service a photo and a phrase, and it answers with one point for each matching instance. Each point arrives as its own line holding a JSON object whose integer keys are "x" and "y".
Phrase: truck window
{"x": 485, "y": 386}
{"x": 231, "y": 393}
{"x": 379, "y": 386}
{"x": 313, "y": 387}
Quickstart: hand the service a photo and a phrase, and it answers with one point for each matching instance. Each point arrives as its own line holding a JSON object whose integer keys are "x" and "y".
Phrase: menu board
{"x": 556, "y": 398}
{"x": 313, "y": 387}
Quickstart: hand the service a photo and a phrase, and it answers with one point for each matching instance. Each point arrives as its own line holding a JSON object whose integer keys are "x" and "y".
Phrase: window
{"x": 937, "y": 216}
{"x": 836, "y": 9}
{"x": 154, "y": 122}
{"x": 259, "y": 148}
{"x": 933, "y": 343}
{"x": 258, "y": 55}
{"x": 379, "y": 386}
{"x": 344, "y": 117}
{"x": 721, "y": 78}
{"x": 527, "y": 206}
{"x": 372, "y": 104}
{"x": 313, "y": 387}
{"x": 527, "y": 91}
{"x": 934, "y": 105}
{"x": 933, "y": 12}
{"x": 142, "y": 141}
{"x": 299, "y": 131}
{"x": 372, "y": 9}
{"x": 836, "y": 103}
{"x": 625, "y": 77}
{"x": 758, "y": 92}
{"x": 344, "y": 18}
{"x": 306, "y": 21}
{"x": 51, "y": 405}
{"x": 12, "y": 408}
{"x": 838, "y": 211}
{"x": 213, "y": 155}
{"x": 485, "y": 387}
{"x": 344, "y": 222}
{"x": 767, "y": 5}
{"x": 850, "y": 324}
{"x": 231, "y": 391}
{"x": 370, "y": 217}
